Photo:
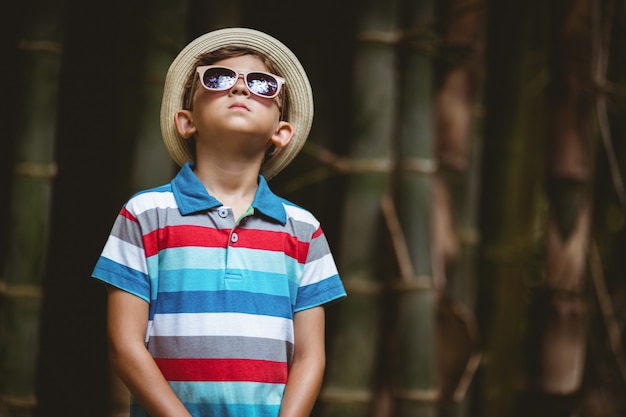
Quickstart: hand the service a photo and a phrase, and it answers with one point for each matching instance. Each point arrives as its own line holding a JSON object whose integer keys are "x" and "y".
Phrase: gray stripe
{"x": 126, "y": 230}
{"x": 318, "y": 248}
{"x": 159, "y": 217}
{"x": 301, "y": 230}
{"x": 220, "y": 347}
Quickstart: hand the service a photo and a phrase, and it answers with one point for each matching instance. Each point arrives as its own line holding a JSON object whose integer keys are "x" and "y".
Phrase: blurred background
{"x": 466, "y": 161}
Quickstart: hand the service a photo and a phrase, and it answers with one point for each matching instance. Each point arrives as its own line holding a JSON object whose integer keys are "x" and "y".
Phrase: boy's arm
{"x": 307, "y": 369}
{"x": 127, "y": 319}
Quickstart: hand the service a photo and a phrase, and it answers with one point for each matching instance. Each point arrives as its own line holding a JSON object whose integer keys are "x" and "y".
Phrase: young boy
{"x": 216, "y": 286}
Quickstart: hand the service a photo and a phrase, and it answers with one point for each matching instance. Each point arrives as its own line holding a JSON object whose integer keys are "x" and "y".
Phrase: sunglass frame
{"x": 201, "y": 70}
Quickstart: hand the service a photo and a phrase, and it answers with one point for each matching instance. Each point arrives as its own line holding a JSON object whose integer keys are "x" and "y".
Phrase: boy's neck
{"x": 233, "y": 187}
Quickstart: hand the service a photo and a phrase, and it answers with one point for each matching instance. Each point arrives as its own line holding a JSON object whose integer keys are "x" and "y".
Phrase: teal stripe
{"x": 213, "y": 280}
{"x": 239, "y": 410}
{"x": 229, "y": 392}
{"x": 264, "y": 261}
{"x": 187, "y": 257}
{"x": 238, "y": 258}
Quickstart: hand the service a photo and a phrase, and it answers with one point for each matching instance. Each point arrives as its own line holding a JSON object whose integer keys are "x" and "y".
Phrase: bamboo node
{"x": 375, "y": 165}
{"x": 377, "y": 36}
{"x": 363, "y": 287}
{"x": 41, "y": 46}
{"x": 469, "y": 235}
{"x": 420, "y": 165}
{"x": 417, "y": 395}
{"x": 416, "y": 284}
{"x": 345, "y": 395}
{"x": 27, "y": 401}
{"x": 35, "y": 170}
{"x": 20, "y": 291}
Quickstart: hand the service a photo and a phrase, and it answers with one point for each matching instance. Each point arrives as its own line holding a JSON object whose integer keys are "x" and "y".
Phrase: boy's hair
{"x": 210, "y": 58}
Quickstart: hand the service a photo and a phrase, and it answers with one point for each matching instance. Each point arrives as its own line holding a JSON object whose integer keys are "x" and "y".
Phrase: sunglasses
{"x": 262, "y": 84}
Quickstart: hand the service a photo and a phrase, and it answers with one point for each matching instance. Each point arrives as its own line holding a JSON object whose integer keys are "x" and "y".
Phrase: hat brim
{"x": 299, "y": 92}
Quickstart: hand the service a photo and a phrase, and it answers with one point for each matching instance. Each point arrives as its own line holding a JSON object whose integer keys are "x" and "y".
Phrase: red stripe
{"x": 273, "y": 241}
{"x": 200, "y": 236}
{"x": 127, "y": 214}
{"x": 221, "y": 370}
{"x": 317, "y": 233}
{"x": 181, "y": 236}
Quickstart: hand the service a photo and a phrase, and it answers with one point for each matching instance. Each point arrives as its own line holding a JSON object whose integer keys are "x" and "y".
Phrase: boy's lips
{"x": 239, "y": 106}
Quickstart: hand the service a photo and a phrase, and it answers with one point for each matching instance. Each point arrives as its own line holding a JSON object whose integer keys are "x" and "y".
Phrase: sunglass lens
{"x": 262, "y": 84}
{"x": 219, "y": 78}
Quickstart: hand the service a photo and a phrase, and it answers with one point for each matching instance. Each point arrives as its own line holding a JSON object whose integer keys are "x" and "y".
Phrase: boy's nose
{"x": 240, "y": 86}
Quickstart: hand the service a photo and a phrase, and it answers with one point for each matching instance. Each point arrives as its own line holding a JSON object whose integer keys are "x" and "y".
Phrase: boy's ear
{"x": 184, "y": 124}
{"x": 283, "y": 134}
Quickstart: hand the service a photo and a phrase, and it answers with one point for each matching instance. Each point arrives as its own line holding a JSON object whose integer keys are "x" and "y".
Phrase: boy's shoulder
{"x": 156, "y": 197}
{"x": 298, "y": 213}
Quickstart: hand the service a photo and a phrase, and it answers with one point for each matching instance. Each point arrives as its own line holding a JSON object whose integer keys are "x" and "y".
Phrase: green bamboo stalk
{"x": 351, "y": 377}
{"x": 165, "y": 28}
{"x": 511, "y": 205}
{"x": 414, "y": 383}
{"x": 34, "y": 168}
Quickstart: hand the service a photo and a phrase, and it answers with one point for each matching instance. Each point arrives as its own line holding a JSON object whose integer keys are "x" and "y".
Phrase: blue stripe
{"x": 223, "y": 302}
{"x": 322, "y": 292}
{"x": 121, "y": 276}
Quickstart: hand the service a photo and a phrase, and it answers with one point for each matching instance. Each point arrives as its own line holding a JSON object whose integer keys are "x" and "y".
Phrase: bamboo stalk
{"x": 34, "y": 169}
{"x": 456, "y": 195}
{"x": 353, "y": 374}
{"x": 561, "y": 310}
{"x": 165, "y": 27}
{"x": 415, "y": 389}
{"x": 513, "y": 155}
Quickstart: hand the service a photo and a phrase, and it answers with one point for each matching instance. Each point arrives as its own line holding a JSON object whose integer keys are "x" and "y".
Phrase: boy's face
{"x": 234, "y": 119}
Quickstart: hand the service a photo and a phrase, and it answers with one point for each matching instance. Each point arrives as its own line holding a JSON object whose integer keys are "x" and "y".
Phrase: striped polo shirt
{"x": 222, "y": 293}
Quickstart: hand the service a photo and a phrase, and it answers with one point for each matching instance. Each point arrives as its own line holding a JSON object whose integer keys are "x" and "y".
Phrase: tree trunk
{"x": 33, "y": 170}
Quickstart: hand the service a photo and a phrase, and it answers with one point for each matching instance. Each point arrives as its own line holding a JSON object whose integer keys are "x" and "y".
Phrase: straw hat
{"x": 298, "y": 90}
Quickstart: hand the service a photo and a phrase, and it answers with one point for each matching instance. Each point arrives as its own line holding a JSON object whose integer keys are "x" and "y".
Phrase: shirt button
{"x": 234, "y": 237}
{"x": 223, "y": 213}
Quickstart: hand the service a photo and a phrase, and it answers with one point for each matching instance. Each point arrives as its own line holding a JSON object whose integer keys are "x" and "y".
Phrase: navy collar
{"x": 192, "y": 197}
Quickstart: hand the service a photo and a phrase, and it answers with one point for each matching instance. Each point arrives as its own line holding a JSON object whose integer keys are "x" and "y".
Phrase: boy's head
{"x": 295, "y": 98}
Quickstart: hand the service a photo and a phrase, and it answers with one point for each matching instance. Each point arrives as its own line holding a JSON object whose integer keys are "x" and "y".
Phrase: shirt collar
{"x": 192, "y": 197}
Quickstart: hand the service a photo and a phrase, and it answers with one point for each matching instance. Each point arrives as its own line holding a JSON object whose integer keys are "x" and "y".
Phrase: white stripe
{"x": 319, "y": 270}
{"x": 301, "y": 215}
{"x": 222, "y": 324}
{"x": 126, "y": 254}
{"x": 151, "y": 200}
